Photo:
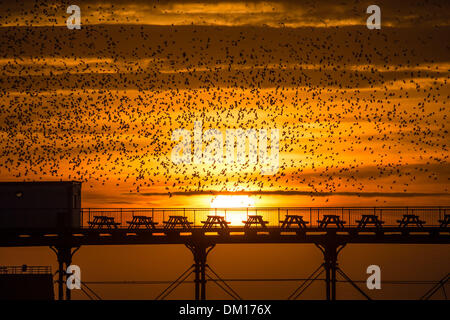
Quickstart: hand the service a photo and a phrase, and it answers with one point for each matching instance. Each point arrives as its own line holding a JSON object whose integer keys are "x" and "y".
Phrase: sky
{"x": 362, "y": 114}
{"x": 358, "y": 110}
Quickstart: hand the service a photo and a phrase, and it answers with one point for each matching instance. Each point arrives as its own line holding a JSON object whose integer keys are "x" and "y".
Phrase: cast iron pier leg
{"x": 200, "y": 251}
{"x": 330, "y": 252}
{"x": 64, "y": 256}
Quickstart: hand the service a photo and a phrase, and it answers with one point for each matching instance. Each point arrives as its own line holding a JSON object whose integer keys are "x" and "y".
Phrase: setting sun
{"x": 226, "y": 201}
{"x": 232, "y": 202}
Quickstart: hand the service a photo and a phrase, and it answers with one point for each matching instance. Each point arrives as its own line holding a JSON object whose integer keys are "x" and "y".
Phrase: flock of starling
{"x": 358, "y": 110}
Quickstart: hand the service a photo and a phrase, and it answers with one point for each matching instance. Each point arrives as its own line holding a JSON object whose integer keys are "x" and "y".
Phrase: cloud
{"x": 290, "y": 13}
{"x": 195, "y": 80}
{"x": 158, "y": 45}
{"x": 162, "y": 57}
{"x": 296, "y": 193}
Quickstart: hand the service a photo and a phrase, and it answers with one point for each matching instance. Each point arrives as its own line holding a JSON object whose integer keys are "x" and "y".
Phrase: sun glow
{"x": 235, "y": 217}
{"x": 223, "y": 201}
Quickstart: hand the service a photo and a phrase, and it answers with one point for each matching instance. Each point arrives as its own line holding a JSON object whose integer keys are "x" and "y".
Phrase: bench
{"x": 410, "y": 219}
{"x": 289, "y": 220}
{"x": 331, "y": 219}
{"x": 102, "y": 222}
{"x": 369, "y": 219}
{"x": 142, "y": 221}
{"x": 255, "y": 220}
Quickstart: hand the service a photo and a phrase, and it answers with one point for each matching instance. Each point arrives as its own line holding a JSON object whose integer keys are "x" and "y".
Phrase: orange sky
{"x": 362, "y": 114}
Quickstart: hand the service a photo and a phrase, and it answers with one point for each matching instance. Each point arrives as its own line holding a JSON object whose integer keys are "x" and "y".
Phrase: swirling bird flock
{"x": 358, "y": 110}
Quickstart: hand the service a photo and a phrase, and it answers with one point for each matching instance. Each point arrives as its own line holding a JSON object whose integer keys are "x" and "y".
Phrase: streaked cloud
{"x": 287, "y": 13}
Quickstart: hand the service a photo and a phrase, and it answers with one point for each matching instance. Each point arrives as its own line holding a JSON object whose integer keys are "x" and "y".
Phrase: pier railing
{"x": 24, "y": 269}
{"x": 274, "y": 216}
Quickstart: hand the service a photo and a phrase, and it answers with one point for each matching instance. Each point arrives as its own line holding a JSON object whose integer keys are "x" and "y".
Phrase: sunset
{"x": 232, "y": 202}
{"x": 255, "y": 139}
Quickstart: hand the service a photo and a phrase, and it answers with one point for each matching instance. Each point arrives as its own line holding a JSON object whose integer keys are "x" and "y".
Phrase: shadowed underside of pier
{"x": 81, "y": 237}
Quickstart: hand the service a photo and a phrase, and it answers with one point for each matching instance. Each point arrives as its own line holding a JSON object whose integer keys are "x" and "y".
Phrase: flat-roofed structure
{"x": 31, "y": 205}
{"x": 26, "y": 283}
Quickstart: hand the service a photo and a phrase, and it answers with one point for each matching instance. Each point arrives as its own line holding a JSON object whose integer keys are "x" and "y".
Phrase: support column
{"x": 200, "y": 251}
{"x": 61, "y": 272}
{"x": 64, "y": 256}
{"x": 330, "y": 252}
{"x": 327, "y": 280}
{"x": 332, "y": 262}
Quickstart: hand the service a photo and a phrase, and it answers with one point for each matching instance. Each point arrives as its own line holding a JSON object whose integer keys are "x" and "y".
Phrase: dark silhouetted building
{"x": 26, "y": 283}
{"x": 40, "y": 204}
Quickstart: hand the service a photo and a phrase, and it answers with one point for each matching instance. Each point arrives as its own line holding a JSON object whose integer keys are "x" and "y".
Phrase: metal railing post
{"x": 310, "y": 217}
{"x": 278, "y": 216}
{"x": 440, "y": 217}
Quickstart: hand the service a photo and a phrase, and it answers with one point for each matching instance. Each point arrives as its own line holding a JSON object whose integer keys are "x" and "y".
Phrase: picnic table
{"x": 291, "y": 219}
{"x": 331, "y": 219}
{"x": 369, "y": 219}
{"x": 255, "y": 220}
{"x": 177, "y": 221}
{"x": 141, "y": 221}
{"x": 103, "y": 222}
{"x": 410, "y": 219}
{"x": 445, "y": 222}
{"x": 213, "y": 221}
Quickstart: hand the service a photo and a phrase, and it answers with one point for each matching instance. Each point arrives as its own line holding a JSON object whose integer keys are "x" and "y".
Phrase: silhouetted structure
{"x": 26, "y": 283}
{"x": 33, "y": 205}
{"x": 200, "y": 230}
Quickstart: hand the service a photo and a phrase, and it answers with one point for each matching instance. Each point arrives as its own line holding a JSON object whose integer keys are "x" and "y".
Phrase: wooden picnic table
{"x": 255, "y": 220}
{"x": 141, "y": 221}
{"x": 410, "y": 219}
{"x": 213, "y": 221}
{"x": 291, "y": 219}
{"x": 369, "y": 219}
{"x": 445, "y": 222}
{"x": 177, "y": 221}
{"x": 103, "y": 222}
{"x": 331, "y": 219}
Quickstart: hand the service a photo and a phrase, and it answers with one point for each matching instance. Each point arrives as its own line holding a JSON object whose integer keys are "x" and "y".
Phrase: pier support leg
{"x": 64, "y": 256}
{"x": 200, "y": 251}
{"x": 330, "y": 253}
